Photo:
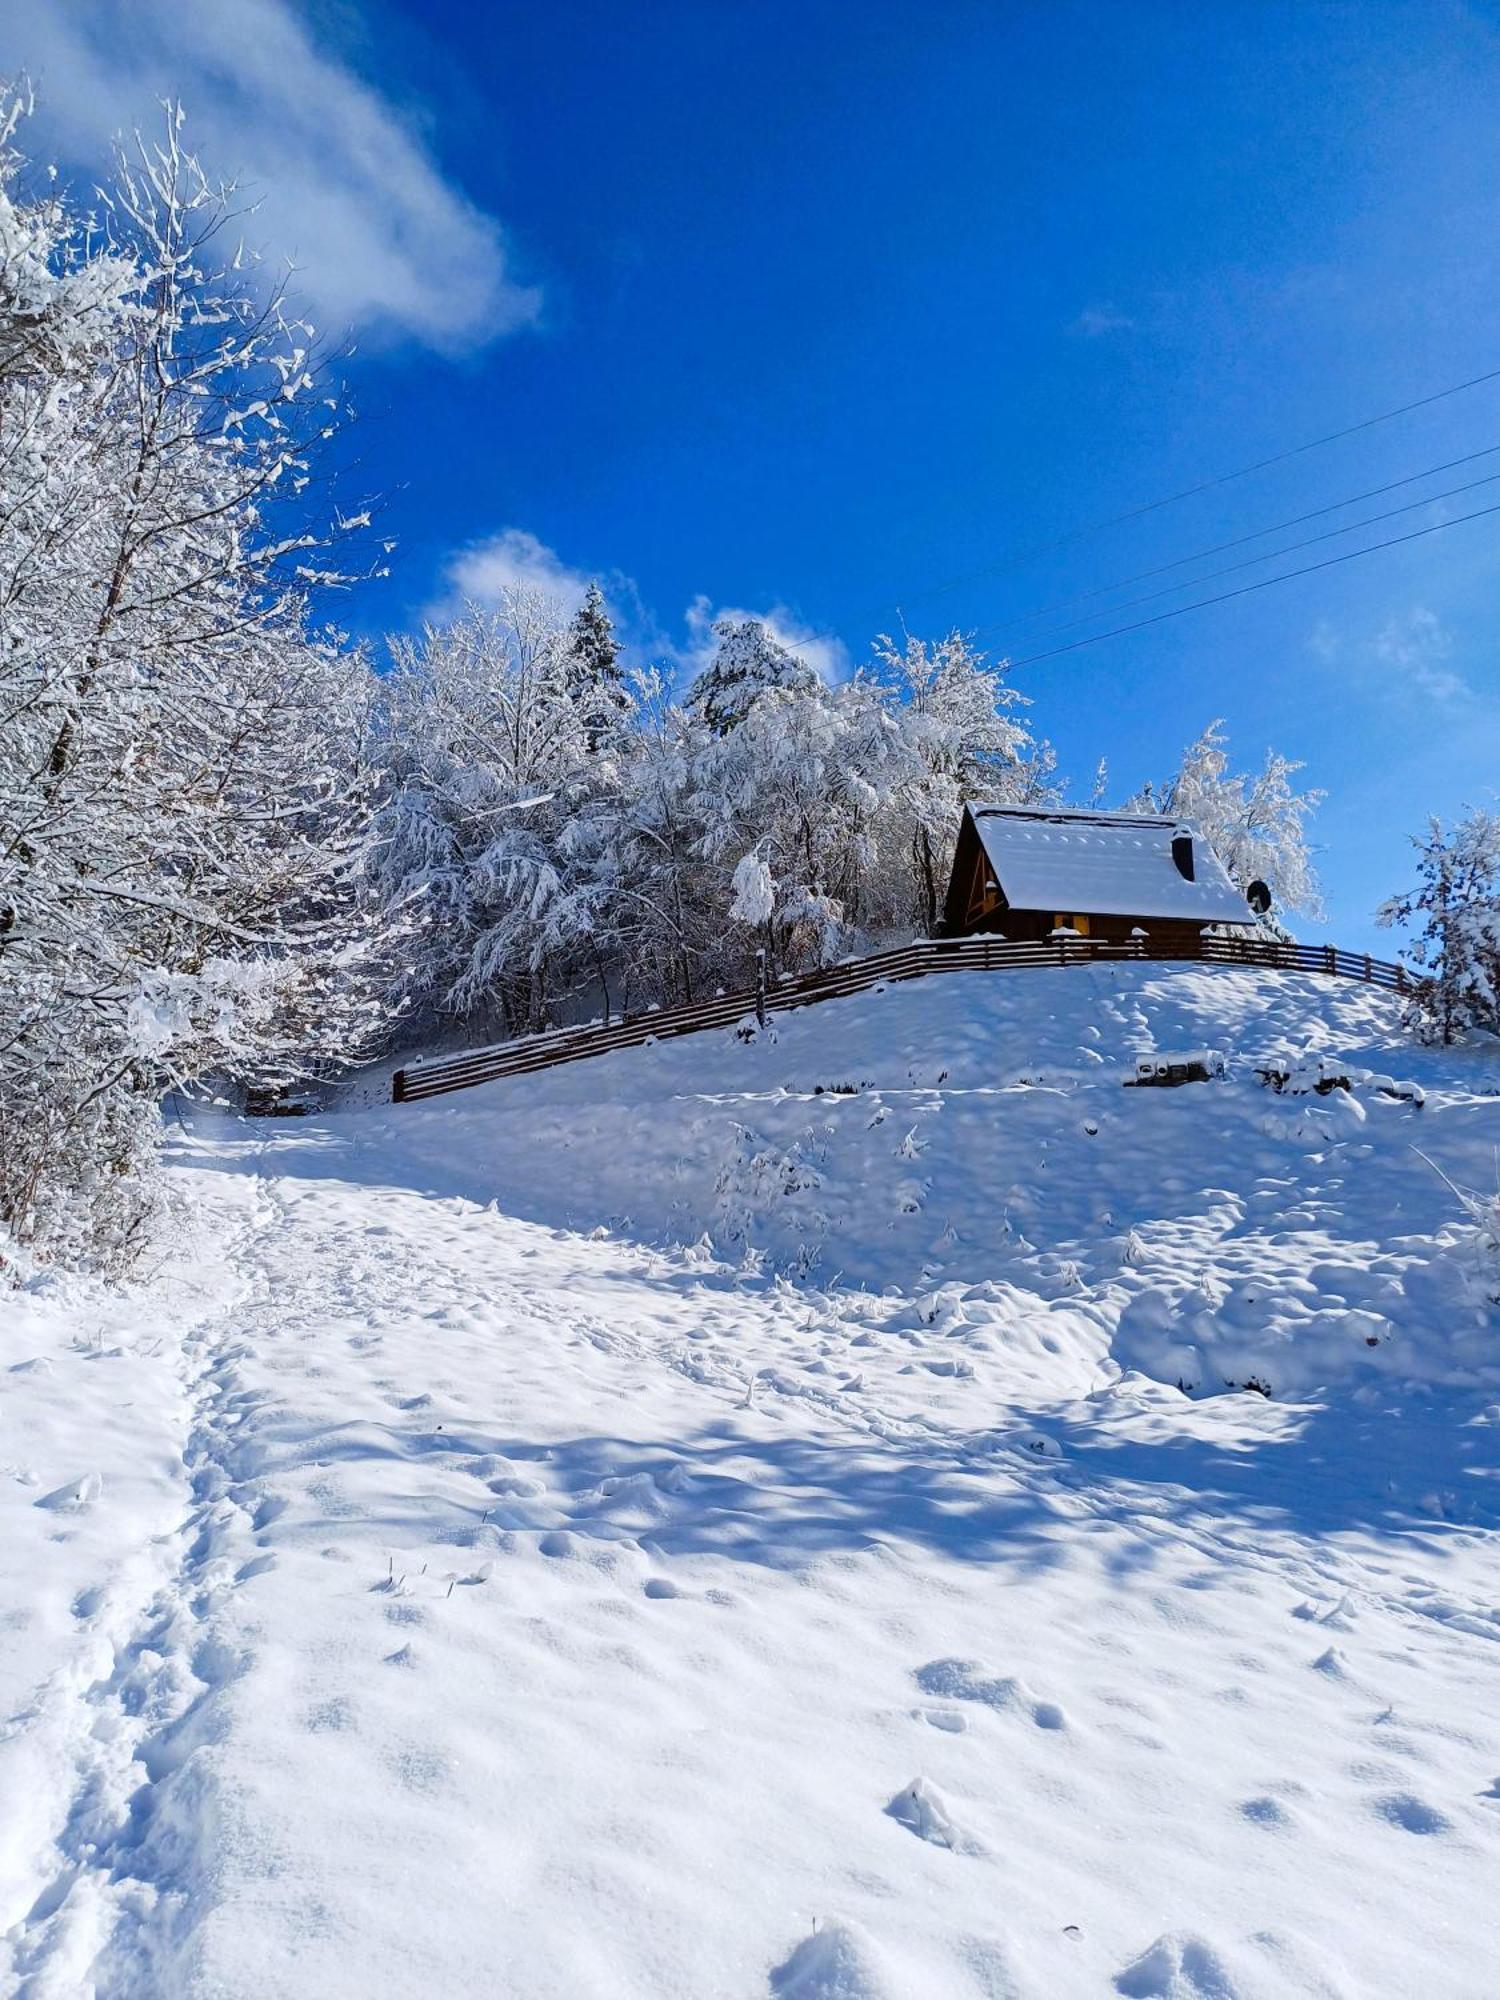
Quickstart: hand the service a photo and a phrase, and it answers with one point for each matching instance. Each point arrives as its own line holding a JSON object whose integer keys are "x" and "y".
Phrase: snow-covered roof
{"x": 1104, "y": 864}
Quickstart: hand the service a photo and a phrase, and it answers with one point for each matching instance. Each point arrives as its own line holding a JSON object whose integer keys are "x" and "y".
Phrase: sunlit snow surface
{"x": 720, "y": 1521}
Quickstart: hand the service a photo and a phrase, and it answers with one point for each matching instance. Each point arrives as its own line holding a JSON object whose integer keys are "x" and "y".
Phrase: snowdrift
{"x": 984, "y": 1143}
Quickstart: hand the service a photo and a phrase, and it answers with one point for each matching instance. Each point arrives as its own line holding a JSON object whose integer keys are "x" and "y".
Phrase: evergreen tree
{"x": 594, "y": 680}
{"x": 749, "y": 661}
{"x": 1458, "y": 898}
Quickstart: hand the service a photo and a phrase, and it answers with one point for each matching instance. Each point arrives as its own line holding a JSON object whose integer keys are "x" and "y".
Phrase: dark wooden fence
{"x": 912, "y": 961}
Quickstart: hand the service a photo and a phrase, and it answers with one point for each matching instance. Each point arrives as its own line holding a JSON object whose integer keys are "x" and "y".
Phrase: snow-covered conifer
{"x": 1456, "y": 902}
{"x": 749, "y": 661}
{"x": 594, "y": 677}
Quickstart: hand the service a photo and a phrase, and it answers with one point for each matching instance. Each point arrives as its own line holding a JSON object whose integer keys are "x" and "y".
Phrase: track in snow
{"x": 554, "y": 1615}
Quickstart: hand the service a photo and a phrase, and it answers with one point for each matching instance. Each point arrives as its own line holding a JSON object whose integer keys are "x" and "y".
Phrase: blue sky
{"x": 836, "y": 311}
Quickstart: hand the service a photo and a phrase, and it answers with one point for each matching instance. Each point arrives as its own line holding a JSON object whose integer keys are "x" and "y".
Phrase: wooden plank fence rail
{"x": 912, "y": 961}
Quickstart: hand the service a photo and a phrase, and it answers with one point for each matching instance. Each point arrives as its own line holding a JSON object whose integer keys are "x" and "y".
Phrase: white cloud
{"x": 1416, "y": 644}
{"x": 512, "y": 560}
{"x": 1412, "y": 648}
{"x": 1094, "y": 322}
{"x": 516, "y": 559}
{"x": 345, "y": 188}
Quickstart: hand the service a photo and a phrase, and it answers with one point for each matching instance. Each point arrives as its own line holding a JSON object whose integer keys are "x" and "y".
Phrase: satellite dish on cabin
{"x": 1258, "y": 896}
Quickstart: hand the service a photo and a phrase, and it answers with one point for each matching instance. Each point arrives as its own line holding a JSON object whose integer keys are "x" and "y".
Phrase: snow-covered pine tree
{"x": 749, "y": 661}
{"x": 183, "y": 790}
{"x": 1456, "y": 901}
{"x": 594, "y": 676}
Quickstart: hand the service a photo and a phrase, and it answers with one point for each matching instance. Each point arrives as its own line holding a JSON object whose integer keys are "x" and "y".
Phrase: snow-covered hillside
{"x": 721, "y": 1520}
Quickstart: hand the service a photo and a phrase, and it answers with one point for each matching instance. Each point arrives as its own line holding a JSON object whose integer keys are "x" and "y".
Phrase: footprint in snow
{"x": 1266, "y": 1812}
{"x": 1411, "y": 1814}
{"x": 1179, "y": 1966}
{"x": 922, "y": 1810}
{"x": 77, "y": 1497}
{"x": 968, "y": 1680}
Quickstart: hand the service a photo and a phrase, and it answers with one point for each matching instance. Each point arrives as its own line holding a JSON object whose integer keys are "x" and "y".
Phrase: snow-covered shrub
{"x": 758, "y": 1191}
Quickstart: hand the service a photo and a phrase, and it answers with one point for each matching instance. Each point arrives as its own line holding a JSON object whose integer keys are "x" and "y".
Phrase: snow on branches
{"x": 1254, "y": 820}
{"x": 646, "y": 859}
{"x": 183, "y": 784}
{"x": 1455, "y": 910}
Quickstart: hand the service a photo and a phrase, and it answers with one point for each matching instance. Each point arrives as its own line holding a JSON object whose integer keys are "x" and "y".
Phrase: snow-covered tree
{"x": 1255, "y": 821}
{"x": 955, "y": 717}
{"x": 595, "y": 679}
{"x": 184, "y": 787}
{"x": 749, "y": 661}
{"x": 499, "y": 824}
{"x": 1454, "y": 909}
{"x": 669, "y": 934}
{"x": 801, "y": 780}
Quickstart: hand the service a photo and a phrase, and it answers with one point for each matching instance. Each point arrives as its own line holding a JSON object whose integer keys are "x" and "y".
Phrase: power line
{"x": 1262, "y": 583}
{"x": 1239, "y": 542}
{"x": 1209, "y": 485}
{"x": 1270, "y": 555}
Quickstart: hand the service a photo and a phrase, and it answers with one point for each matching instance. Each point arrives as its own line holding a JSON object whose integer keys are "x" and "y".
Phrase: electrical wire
{"x": 1211, "y": 484}
{"x": 1239, "y": 542}
{"x": 1270, "y": 555}
{"x": 1262, "y": 583}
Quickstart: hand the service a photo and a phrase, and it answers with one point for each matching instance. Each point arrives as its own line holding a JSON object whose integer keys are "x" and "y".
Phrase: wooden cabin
{"x": 1023, "y": 872}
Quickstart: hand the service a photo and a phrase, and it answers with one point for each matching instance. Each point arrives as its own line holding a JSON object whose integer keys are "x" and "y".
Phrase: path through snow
{"x": 472, "y": 1605}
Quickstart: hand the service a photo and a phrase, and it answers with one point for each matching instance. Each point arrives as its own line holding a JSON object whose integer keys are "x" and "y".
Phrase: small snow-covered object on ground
{"x": 921, "y": 1808}
{"x": 1169, "y": 1067}
{"x": 1291, "y": 1076}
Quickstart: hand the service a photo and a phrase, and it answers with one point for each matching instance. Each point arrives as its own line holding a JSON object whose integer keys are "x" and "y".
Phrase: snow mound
{"x": 837, "y": 1962}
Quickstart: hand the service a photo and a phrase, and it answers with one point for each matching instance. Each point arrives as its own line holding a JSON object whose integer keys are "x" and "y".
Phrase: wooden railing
{"x": 912, "y": 961}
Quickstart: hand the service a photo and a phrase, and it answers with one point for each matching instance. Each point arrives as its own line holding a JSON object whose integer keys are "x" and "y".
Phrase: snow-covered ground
{"x": 721, "y": 1520}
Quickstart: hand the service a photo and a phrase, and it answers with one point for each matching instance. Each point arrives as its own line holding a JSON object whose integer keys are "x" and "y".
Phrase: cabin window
{"x": 1063, "y": 922}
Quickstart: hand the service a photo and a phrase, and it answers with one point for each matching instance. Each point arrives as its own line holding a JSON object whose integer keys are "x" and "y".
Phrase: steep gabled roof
{"x": 1104, "y": 864}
